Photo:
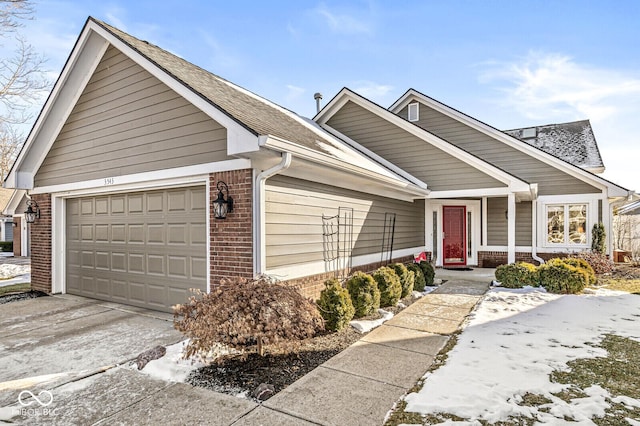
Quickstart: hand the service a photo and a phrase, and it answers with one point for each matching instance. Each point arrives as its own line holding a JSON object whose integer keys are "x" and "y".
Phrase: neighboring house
{"x": 6, "y": 220}
{"x": 126, "y": 156}
{"x": 15, "y": 208}
{"x": 627, "y": 228}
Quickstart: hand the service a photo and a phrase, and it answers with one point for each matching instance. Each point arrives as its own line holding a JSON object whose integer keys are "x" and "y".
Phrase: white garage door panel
{"x": 144, "y": 248}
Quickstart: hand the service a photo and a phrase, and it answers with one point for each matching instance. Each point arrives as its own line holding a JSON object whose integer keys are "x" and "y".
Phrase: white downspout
{"x": 259, "y": 232}
{"x": 534, "y": 232}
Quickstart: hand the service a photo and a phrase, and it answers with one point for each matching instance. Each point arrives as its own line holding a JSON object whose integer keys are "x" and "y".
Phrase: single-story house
{"x": 136, "y": 150}
{"x": 6, "y": 220}
{"x": 14, "y": 209}
{"x": 627, "y": 230}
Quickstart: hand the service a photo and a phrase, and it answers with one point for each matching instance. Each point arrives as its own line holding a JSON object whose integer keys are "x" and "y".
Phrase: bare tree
{"x": 22, "y": 79}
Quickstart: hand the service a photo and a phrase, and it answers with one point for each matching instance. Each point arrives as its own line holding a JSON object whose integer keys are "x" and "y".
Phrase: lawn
{"x": 527, "y": 357}
{"x": 15, "y": 288}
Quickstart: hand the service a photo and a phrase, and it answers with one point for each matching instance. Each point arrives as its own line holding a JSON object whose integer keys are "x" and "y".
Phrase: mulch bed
{"x": 242, "y": 375}
{"x": 14, "y": 297}
{"x": 625, "y": 272}
{"x": 239, "y": 375}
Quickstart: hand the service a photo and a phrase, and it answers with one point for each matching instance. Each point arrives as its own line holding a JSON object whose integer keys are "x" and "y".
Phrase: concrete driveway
{"x": 73, "y": 354}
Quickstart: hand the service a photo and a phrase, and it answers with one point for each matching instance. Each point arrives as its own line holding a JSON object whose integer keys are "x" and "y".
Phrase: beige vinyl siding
{"x": 497, "y": 222}
{"x": 127, "y": 121}
{"x": 439, "y": 169}
{"x": 294, "y": 231}
{"x": 550, "y": 180}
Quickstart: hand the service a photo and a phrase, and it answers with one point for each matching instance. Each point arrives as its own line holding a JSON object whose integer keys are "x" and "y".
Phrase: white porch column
{"x": 511, "y": 228}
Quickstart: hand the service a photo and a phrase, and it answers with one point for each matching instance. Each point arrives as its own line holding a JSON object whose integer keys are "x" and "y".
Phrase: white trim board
{"x": 59, "y": 220}
{"x": 307, "y": 269}
{"x": 83, "y": 60}
{"x": 346, "y": 95}
{"x": 143, "y": 180}
{"x": 577, "y": 172}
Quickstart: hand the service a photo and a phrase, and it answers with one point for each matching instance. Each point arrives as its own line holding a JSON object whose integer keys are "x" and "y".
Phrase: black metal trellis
{"x": 388, "y": 235}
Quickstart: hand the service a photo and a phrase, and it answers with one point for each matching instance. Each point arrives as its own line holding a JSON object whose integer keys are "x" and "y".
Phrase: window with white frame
{"x": 567, "y": 224}
{"x": 413, "y": 112}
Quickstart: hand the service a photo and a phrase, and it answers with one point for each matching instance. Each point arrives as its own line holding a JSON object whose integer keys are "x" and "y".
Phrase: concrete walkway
{"x": 361, "y": 384}
{"x": 356, "y": 387}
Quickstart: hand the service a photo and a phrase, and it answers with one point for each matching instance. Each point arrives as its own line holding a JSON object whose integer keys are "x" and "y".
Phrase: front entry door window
{"x": 454, "y": 235}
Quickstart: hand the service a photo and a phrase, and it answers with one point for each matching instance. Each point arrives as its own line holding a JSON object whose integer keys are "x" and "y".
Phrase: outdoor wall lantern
{"x": 33, "y": 211}
{"x": 222, "y": 206}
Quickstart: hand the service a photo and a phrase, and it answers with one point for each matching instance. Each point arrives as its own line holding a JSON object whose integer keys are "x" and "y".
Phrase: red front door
{"x": 454, "y": 235}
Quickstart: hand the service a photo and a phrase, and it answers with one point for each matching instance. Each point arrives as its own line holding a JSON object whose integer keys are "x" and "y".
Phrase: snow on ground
{"x": 365, "y": 326}
{"x": 14, "y": 274}
{"x": 171, "y": 367}
{"x": 512, "y": 343}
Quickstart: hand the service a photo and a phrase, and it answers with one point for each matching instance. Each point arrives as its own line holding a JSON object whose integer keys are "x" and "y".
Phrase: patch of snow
{"x": 8, "y": 270}
{"x": 364, "y": 326}
{"x": 632, "y": 422}
{"x": 513, "y": 341}
{"x": 172, "y": 367}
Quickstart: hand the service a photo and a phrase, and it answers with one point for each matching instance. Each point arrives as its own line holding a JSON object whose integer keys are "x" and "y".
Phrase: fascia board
{"x": 478, "y": 125}
{"x": 14, "y": 202}
{"x": 75, "y": 75}
{"x": 303, "y": 153}
{"x": 439, "y": 143}
{"x": 239, "y": 138}
{"x": 355, "y": 145}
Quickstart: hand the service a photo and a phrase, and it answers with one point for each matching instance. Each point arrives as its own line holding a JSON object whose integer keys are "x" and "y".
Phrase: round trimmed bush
{"x": 556, "y": 276}
{"x": 419, "y": 281}
{"x": 407, "y": 278}
{"x": 364, "y": 293}
{"x": 389, "y": 286}
{"x": 517, "y": 275}
{"x": 584, "y": 265}
{"x": 335, "y": 305}
{"x": 428, "y": 271}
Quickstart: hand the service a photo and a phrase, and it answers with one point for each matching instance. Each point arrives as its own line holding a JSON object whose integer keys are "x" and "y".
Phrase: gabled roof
{"x": 5, "y": 197}
{"x": 573, "y": 142}
{"x": 257, "y": 114}
{"x": 614, "y": 190}
{"x": 16, "y": 198}
{"x": 631, "y": 208}
{"x": 513, "y": 183}
{"x": 252, "y": 122}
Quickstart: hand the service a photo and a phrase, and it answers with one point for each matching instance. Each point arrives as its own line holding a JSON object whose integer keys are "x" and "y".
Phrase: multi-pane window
{"x": 567, "y": 224}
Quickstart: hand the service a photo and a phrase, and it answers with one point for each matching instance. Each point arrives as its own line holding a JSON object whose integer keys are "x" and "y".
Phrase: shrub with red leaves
{"x": 598, "y": 261}
{"x": 246, "y": 314}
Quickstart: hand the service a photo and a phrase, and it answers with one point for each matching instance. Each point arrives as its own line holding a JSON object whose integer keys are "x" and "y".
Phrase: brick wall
{"x": 311, "y": 286}
{"x": 41, "y": 245}
{"x": 231, "y": 244}
{"x": 491, "y": 259}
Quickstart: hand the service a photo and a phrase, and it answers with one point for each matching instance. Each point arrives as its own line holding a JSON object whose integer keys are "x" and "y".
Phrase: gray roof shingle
{"x": 258, "y": 115}
{"x": 573, "y": 142}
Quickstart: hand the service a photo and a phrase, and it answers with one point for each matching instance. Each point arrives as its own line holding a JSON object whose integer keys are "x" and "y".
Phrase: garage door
{"x": 144, "y": 248}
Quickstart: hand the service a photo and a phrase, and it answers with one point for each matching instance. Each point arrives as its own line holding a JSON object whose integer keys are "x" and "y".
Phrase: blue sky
{"x": 509, "y": 63}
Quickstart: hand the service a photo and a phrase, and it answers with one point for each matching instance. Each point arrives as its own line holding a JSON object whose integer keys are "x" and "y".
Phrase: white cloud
{"x": 219, "y": 56}
{"x": 554, "y": 86}
{"x": 343, "y": 23}
{"x": 550, "y": 87}
{"x": 112, "y": 16}
{"x": 371, "y": 90}
{"x": 294, "y": 92}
